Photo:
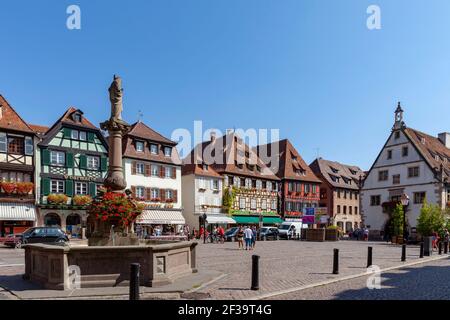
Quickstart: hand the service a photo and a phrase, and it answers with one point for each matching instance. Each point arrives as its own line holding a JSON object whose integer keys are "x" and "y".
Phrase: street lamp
{"x": 405, "y": 203}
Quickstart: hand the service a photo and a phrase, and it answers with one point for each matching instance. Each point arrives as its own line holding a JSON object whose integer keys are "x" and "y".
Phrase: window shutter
{"x": 92, "y": 190}
{"x": 103, "y": 164}
{"x": 162, "y": 172}
{"x": 69, "y": 160}
{"x": 148, "y": 194}
{"x": 69, "y": 188}
{"x": 46, "y": 157}
{"x": 83, "y": 161}
{"x": 133, "y": 191}
{"x": 147, "y": 171}
{"x": 67, "y": 133}
{"x": 162, "y": 194}
{"x": 133, "y": 167}
{"x": 45, "y": 186}
{"x": 175, "y": 195}
{"x": 91, "y": 136}
{"x": 174, "y": 172}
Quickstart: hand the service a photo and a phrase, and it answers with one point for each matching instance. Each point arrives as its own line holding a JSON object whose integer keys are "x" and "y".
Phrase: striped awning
{"x": 219, "y": 219}
{"x": 156, "y": 216}
{"x": 17, "y": 212}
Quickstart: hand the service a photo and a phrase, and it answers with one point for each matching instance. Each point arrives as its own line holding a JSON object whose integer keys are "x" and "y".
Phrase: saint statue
{"x": 115, "y": 96}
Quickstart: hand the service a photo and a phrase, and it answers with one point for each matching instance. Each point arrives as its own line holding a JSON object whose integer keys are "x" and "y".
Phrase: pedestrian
{"x": 248, "y": 234}
{"x": 240, "y": 238}
{"x": 254, "y": 234}
{"x": 435, "y": 239}
{"x": 201, "y": 233}
{"x": 366, "y": 234}
{"x": 221, "y": 233}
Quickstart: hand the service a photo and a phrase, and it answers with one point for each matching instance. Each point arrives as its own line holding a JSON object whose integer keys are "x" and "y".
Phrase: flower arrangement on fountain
{"x": 115, "y": 207}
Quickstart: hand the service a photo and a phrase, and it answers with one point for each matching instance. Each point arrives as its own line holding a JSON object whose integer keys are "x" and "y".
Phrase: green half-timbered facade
{"x": 74, "y": 163}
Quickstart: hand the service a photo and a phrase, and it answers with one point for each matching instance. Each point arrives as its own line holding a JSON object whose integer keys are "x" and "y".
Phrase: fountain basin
{"x": 161, "y": 264}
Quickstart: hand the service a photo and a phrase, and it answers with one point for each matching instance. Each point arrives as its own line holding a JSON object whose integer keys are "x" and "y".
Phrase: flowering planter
{"x": 8, "y": 187}
{"x": 331, "y": 235}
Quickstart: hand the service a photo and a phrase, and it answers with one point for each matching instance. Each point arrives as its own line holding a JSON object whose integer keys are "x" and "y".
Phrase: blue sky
{"x": 308, "y": 67}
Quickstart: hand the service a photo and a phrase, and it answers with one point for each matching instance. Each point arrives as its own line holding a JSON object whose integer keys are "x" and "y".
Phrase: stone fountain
{"x": 112, "y": 247}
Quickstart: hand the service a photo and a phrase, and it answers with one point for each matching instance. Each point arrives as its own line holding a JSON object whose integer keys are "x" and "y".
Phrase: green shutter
{"x": 69, "y": 160}
{"x": 45, "y": 185}
{"x": 83, "y": 161}
{"x": 103, "y": 164}
{"x": 92, "y": 190}
{"x": 67, "y": 133}
{"x": 69, "y": 188}
{"x": 45, "y": 157}
{"x": 91, "y": 136}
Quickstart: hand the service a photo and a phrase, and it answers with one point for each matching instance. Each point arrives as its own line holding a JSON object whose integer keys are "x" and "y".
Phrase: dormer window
{"x": 353, "y": 172}
{"x": 154, "y": 148}
{"x": 139, "y": 146}
{"x": 76, "y": 117}
{"x": 397, "y": 135}
{"x": 205, "y": 167}
{"x": 334, "y": 170}
{"x": 168, "y": 151}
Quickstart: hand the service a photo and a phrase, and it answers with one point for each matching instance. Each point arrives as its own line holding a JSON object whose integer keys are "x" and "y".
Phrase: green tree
{"x": 431, "y": 218}
{"x": 229, "y": 196}
{"x": 397, "y": 220}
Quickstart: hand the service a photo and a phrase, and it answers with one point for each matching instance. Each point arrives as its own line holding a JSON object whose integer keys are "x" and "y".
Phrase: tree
{"x": 397, "y": 220}
{"x": 431, "y": 218}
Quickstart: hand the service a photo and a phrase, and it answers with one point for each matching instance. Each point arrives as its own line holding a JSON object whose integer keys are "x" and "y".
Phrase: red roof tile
{"x": 10, "y": 119}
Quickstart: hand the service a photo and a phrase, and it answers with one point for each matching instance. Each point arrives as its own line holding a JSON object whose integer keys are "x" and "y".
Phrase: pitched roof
{"x": 290, "y": 164}
{"x": 435, "y": 153}
{"x": 193, "y": 163}
{"x": 148, "y": 135}
{"x": 337, "y": 174}
{"x": 10, "y": 119}
{"x": 141, "y": 130}
{"x": 40, "y": 130}
{"x": 67, "y": 119}
{"x": 235, "y": 158}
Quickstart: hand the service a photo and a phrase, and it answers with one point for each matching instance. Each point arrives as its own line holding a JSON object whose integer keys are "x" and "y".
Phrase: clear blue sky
{"x": 308, "y": 67}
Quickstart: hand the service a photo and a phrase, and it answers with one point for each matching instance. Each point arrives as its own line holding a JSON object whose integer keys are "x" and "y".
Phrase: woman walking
{"x": 240, "y": 238}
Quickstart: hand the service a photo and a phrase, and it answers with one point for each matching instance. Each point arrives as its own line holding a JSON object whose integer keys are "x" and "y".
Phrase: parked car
{"x": 290, "y": 229}
{"x": 13, "y": 240}
{"x": 51, "y": 235}
{"x": 230, "y": 234}
{"x": 266, "y": 233}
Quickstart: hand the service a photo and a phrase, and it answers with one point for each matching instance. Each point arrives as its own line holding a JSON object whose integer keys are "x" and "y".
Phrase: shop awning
{"x": 219, "y": 219}
{"x": 161, "y": 217}
{"x": 255, "y": 220}
{"x": 17, "y": 212}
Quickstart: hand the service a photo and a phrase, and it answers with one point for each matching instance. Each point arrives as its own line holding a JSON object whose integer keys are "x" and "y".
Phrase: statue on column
{"x": 115, "y": 96}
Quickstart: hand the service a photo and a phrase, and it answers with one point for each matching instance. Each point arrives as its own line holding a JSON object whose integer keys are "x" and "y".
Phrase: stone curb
{"x": 359, "y": 275}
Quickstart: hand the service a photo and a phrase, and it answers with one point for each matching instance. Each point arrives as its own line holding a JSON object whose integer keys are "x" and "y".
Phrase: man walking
{"x": 248, "y": 234}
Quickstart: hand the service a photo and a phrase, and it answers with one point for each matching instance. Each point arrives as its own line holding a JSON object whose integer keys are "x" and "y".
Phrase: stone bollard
{"x": 445, "y": 247}
{"x": 255, "y": 272}
{"x": 440, "y": 247}
{"x": 369, "y": 256}
{"x": 134, "y": 281}
{"x": 404, "y": 252}
{"x": 336, "y": 261}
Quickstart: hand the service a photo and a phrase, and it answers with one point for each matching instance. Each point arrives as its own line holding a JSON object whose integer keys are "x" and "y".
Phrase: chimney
{"x": 445, "y": 139}
{"x": 213, "y": 136}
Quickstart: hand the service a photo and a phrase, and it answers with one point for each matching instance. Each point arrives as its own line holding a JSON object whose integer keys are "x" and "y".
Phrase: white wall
{"x": 154, "y": 182}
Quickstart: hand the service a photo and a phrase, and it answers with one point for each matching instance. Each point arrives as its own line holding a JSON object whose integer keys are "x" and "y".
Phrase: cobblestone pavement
{"x": 421, "y": 282}
{"x": 290, "y": 264}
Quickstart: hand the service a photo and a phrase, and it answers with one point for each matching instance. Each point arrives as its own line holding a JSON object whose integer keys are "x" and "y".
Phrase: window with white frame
{"x": 140, "y": 168}
{"x": 81, "y": 188}
{"x": 139, "y": 146}
{"x": 140, "y": 192}
{"x": 168, "y": 172}
{"x": 263, "y": 204}
{"x": 93, "y": 162}
{"x": 29, "y": 146}
{"x": 83, "y": 135}
{"x": 253, "y": 204}
{"x": 155, "y": 193}
{"x": 269, "y": 186}
{"x": 155, "y": 170}
{"x": 57, "y": 158}
{"x": 274, "y": 205}
{"x": 169, "y": 194}
{"x": 242, "y": 202}
{"x": 57, "y": 186}
{"x": 258, "y": 184}
{"x": 154, "y": 148}
{"x": 215, "y": 184}
{"x": 167, "y": 151}
{"x": 75, "y": 134}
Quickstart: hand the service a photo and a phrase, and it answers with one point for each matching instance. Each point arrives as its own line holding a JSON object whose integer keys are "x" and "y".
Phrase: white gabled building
{"x": 153, "y": 173}
{"x": 412, "y": 163}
